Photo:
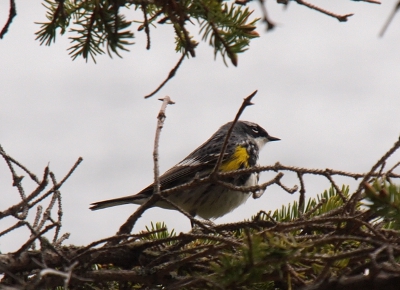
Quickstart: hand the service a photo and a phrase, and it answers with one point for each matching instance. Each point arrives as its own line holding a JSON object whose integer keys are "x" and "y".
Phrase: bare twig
{"x": 257, "y": 188}
{"x": 389, "y": 20}
{"x": 341, "y": 18}
{"x": 160, "y": 123}
{"x": 46, "y": 216}
{"x": 333, "y": 183}
{"x": 382, "y": 168}
{"x": 393, "y": 168}
{"x": 263, "y": 187}
{"x": 302, "y": 191}
{"x": 17, "y": 208}
{"x": 39, "y": 211}
{"x": 193, "y": 220}
{"x": 15, "y": 226}
{"x": 126, "y": 228}
{"x": 146, "y": 25}
{"x": 7, "y": 157}
{"x": 246, "y": 102}
{"x": 276, "y": 167}
{"x": 351, "y": 204}
{"x": 35, "y": 235}
{"x": 170, "y": 76}
{"x": 285, "y": 188}
{"x": 16, "y": 179}
{"x": 80, "y": 159}
{"x": 59, "y": 241}
{"x": 11, "y": 15}
{"x": 58, "y": 185}
{"x": 279, "y": 167}
{"x": 268, "y": 22}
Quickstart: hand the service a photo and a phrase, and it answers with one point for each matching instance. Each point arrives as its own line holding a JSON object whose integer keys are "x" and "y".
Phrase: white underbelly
{"x": 212, "y": 201}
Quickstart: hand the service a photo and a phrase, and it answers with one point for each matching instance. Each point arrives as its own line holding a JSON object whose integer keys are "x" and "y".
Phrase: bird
{"x": 209, "y": 200}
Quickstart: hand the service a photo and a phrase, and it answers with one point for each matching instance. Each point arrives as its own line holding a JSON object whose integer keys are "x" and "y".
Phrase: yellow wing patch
{"x": 238, "y": 159}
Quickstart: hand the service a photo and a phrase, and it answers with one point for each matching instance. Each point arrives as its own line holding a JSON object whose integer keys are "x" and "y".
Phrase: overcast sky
{"x": 329, "y": 90}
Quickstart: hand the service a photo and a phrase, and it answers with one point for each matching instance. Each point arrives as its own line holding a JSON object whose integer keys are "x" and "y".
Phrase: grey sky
{"x": 329, "y": 90}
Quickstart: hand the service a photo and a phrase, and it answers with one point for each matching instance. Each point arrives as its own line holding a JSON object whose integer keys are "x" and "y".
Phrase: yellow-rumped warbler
{"x": 209, "y": 200}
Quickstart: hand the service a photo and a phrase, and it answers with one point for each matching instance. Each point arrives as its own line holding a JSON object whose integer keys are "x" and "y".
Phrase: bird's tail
{"x": 117, "y": 201}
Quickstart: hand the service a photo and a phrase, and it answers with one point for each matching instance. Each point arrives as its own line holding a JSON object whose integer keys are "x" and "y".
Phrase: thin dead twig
{"x": 393, "y": 168}
{"x": 341, "y": 18}
{"x": 265, "y": 18}
{"x": 170, "y": 76}
{"x": 302, "y": 191}
{"x": 127, "y": 227}
{"x": 146, "y": 24}
{"x": 39, "y": 211}
{"x": 253, "y": 188}
{"x": 57, "y": 243}
{"x": 263, "y": 187}
{"x": 35, "y": 236}
{"x": 9, "y": 158}
{"x": 16, "y": 208}
{"x": 56, "y": 197}
{"x": 338, "y": 190}
{"x": 11, "y": 15}
{"x": 246, "y": 102}
{"x": 58, "y": 185}
{"x": 351, "y": 203}
{"x": 160, "y": 123}
{"x": 285, "y": 188}
{"x": 192, "y": 219}
{"x": 17, "y": 183}
{"x": 278, "y": 166}
{"x": 15, "y": 226}
{"x": 80, "y": 159}
{"x": 389, "y": 20}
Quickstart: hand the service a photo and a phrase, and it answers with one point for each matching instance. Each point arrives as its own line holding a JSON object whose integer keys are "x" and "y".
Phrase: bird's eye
{"x": 255, "y": 130}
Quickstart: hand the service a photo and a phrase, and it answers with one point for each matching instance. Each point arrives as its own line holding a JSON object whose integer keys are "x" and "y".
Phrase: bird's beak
{"x": 270, "y": 138}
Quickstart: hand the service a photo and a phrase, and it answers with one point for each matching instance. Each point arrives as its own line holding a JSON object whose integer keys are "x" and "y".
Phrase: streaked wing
{"x": 179, "y": 175}
{"x": 185, "y": 171}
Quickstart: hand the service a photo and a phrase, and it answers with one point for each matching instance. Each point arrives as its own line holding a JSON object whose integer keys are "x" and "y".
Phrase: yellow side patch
{"x": 238, "y": 159}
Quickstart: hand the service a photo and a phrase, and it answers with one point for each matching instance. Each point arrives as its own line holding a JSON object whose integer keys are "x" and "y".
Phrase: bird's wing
{"x": 199, "y": 165}
{"x": 185, "y": 171}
